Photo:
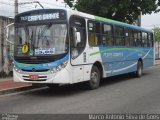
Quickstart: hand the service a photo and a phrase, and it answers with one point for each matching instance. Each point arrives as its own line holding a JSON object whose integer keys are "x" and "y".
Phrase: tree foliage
{"x": 121, "y": 10}
{"x": 157, "y": 33}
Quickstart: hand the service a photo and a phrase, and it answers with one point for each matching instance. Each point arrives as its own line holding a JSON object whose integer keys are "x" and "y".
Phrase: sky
{"x": 7, "y": 9}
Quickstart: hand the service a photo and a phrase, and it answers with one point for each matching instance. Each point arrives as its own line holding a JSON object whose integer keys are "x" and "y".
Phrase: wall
{"x": 157, "y": 50}
{"x": 5, "y": 48}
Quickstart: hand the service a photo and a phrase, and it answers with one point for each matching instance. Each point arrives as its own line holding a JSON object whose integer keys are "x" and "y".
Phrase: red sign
{"x": 33, "y": 77}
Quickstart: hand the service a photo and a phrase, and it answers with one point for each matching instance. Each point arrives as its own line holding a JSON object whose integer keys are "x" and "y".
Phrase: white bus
{"x": 62, "y": 46}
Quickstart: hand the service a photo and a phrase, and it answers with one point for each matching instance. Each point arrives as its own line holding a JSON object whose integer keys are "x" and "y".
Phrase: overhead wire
{"x": 13, "y": 5}
{"x": 29, "y": 6}
{"x": 47, "y": 3}
{"x": 10, "y": 13}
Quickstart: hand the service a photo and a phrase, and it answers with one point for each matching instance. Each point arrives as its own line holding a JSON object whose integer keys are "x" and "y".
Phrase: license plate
{"x": 33, "y": 77}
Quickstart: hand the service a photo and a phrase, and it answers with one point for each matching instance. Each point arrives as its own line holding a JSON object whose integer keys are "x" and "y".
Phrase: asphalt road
{"x": 121, "y": 94}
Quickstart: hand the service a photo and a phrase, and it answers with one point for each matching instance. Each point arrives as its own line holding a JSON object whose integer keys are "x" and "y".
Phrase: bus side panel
{"x": 149, "y": 59}
{"x": 82, "y": 65}
{"x": 117, "y": 68}
{"x": 124, "y": 60}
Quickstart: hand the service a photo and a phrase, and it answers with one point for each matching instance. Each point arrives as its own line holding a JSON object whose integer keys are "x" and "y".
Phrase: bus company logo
{"x": 113, "y": 55}
{"x": 33, "y": 70}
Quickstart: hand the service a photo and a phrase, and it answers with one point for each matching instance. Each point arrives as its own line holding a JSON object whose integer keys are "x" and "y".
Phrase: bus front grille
{"x": 40, "y": 78}
{"x": 45, "y": 70}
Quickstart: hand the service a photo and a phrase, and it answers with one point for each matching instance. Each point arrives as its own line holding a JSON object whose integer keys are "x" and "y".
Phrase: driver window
{"x": 78, "y": 24}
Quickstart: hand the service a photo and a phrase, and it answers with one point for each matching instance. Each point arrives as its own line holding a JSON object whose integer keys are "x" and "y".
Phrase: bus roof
{"x": 108, "y": 20}
{"x": 73, "y": 12}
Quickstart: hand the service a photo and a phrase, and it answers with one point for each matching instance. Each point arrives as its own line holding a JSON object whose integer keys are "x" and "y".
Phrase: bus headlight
{"x": 59, "y": 68}
{"x": 16, "y": 69}
{"x": 53, "y": 70}
{"x": 64, "y": 64}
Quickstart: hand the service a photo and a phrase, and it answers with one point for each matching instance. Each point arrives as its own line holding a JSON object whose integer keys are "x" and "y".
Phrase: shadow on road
{"x": 71, "y": 90}
{"x": 120, "y": 78}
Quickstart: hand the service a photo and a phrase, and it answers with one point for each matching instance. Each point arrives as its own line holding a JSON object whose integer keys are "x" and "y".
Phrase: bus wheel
{"x": 139, "y": 71}
{"x": 94, "y": 81}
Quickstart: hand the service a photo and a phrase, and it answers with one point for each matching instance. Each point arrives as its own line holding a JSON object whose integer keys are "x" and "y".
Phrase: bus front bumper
{"x": 61, "y": 77}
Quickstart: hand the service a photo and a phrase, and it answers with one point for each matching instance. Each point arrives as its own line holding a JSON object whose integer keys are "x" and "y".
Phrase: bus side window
{"x": 144, "y": 39}
{"x": 94, "y": 33}
{"x": 131, "y": 37}
{"x": 91, "y": 34}
{"x": 119, "y": 36}
{"x": 137, "y": 39}
{"x": 107, "y": 35}
{"x": 98, "y": 33}
{"x": 127, "y": 37}
{"x": 139, "y": 42}
{"x": 150, "y": 40}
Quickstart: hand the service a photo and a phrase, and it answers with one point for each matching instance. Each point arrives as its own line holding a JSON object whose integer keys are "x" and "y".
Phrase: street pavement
{"x": 121, "y": 94}
{"x": 7, "y": 85}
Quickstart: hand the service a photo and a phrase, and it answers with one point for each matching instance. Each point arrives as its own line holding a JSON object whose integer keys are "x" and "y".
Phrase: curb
{"x": 156, "y": 64}
{"x": 19, "y": 89}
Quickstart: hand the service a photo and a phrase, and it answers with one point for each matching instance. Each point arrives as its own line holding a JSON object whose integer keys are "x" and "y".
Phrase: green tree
{"x": 156, "y": 33}
{"x": 121, "y": 10}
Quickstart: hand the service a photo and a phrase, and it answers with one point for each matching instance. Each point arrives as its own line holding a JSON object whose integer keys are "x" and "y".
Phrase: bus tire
{"x": 139, "y": 71}
{"x": 94, "y": 81}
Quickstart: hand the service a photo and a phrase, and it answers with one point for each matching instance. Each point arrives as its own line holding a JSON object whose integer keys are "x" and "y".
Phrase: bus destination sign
{"x": 40, "y": 17}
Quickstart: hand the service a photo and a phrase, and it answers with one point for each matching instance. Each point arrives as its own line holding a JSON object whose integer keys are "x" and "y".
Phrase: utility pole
{"x": 16, "y": 7}
{"x": 16, "y": 4}
{"x": 140, "y": 19}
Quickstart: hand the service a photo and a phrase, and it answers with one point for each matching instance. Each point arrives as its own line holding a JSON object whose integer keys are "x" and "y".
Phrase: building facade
{"x": 6, "y": 49}
{"x": 157, "y": 50}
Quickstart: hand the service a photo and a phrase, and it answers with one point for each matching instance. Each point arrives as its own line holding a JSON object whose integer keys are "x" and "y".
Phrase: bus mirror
{"x": 78, "y": 37}
{"x": 10, "y": 33}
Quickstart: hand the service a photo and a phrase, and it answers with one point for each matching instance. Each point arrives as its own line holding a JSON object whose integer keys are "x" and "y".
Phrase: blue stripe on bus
{"x": 41, "y": 66}
{"x": 124, "y": 60}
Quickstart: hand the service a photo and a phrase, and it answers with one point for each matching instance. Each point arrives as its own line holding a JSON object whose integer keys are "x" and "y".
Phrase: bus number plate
{"x": 33, "y": 77}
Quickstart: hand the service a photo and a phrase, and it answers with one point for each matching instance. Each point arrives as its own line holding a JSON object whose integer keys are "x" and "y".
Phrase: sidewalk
{"x": 10, "y": 84}
{"x": 157, "y": 62}
{"x": 7, "y": 85}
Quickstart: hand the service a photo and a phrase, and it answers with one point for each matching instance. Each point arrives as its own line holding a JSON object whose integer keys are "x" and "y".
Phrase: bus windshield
{"x": 41, "y": 40}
